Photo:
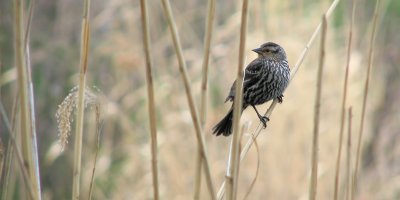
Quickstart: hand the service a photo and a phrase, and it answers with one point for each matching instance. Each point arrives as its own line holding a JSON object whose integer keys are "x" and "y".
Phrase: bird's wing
{"x": 250, "y": 77}
{"x": 253, "y": 69}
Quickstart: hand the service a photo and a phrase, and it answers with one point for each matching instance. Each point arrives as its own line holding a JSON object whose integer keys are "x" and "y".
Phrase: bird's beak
{"x": 258, "y": 50}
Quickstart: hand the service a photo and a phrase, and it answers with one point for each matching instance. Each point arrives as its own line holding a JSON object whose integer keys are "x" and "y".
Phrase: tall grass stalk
{"x": 98, "y": 128}
{"x": 31, "y": 92}
{"x": 233, "y": 167}
{"x": 189, "y": 95}
{"x": 257, "y": 170}
{"x": 315, "y": 142}
{"x": 10, "y": 147}
{"x": 204, "y": 90}
{"x": 150, "y": 96}
{"x": 348, "y": 160}
{"x": 13, "y": 145}
{"x": 28, "y": 136}
{"x": 268, "y": 113}
{"x": 343, "y": 109}
{"x": 2, "y": 156}
{"x": 80, "y": 105}
{"x": 365, "y": 97}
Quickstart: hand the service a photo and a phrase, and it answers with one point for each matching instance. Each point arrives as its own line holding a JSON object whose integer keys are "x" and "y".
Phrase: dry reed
{"x": 28, "y": 136}
{"x": 13, "y": 145}
{"x": 315, "y": 140}
{"x": 257, "y": 170}
{"x": 81, "y": 100}
{"x": 348, "y": 158}
{"x": 2, "y": 157}
{"x": 365, "y": 96}
{"x": 10, "y": 147}
{"x": 233, "y": 166}
{"x": 98, "y": 129}
{"x": 343, "y": 108}
{"x": 150, "y": 96}
{"x": 189, "y": 95}
{"x": 204, "y": 90}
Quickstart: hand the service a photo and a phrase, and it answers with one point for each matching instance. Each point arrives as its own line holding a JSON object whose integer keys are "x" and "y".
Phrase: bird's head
{"x": 272, "y": 51}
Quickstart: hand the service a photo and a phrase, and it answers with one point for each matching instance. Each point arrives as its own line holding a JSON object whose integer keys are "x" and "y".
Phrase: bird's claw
{"x": 264, "y": 121}
{"x": 280, "y": 98}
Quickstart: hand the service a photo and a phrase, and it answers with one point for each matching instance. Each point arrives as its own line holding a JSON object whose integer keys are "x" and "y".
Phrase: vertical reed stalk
{"x": 365, "y": 97}
{"x": 342, "y": 114}
{"x": 348, "y": 160}
{"x": 31, "y": 94}
{"x": 150, "y": 96}
{"x": 13, "y": 145}
{"x": 80, "y": 105}
{"x": 10, "y": 150}
{"x": 189, "y": 95}
{"x": 233, "y": 167}
{"x": 97, "y": 108}
{"x": 3, "y": 158}
{"x": 315, "y": 145}
{"x": 268, "y": 113}
{"x": 257, "y": 170}
{"x": 204, "y": 87}
{"x": 28, "y": 136}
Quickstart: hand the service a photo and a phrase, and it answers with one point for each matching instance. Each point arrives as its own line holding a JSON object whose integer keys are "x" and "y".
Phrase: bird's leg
{"x": 263, "y": 119}
{"x": 280, "y": 98}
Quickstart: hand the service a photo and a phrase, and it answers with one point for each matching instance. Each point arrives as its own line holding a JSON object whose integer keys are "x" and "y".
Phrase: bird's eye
{"x": 267, "y": 50}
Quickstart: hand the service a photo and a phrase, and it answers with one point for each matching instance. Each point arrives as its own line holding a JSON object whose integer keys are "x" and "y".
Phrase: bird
{"x": 265, "y": 79}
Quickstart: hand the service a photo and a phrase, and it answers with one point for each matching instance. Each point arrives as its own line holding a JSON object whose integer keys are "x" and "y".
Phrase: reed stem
{"x": 233, "y": 167}
{"x": 365, "y": 97}
{"x": 81, "y": 101}
{"x": 315, "y": 143}
{"x": 189, "y": 95}
{"x": 150, "y": 96}
{"x": 343, "y": 108}
{"x": 204, "y": 90}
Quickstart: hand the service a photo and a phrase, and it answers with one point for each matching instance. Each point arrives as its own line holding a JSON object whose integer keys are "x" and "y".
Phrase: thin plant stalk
{"x": 10, "y": 150}
{"x": 28, "y": 136}
{"x": 97, "y": 151}
{"x": 348, "y": 160}
{"x": 233, "y": 167}
{"x": 189, "y": 95}
{"x": 2, "y": 156}
{"x": 271, "y": 108}
{"x": 315, "y": 143}
{"x": 31, "y": 93}
{"x": 311, "y": 41}
{"x": 342, "y": 114}
{"x": 20, "y": 161}
{"x": 204, "y": 88}
{"x": 150, "y": 96}
{"x": 365, "y": 97}
{"x": 257, "y": 170}
{"x": 228, "y": 176}
{"x": 80, "y": 105}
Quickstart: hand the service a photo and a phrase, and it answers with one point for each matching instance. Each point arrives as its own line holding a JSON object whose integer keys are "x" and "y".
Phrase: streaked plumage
{"x": 265, "y": 78}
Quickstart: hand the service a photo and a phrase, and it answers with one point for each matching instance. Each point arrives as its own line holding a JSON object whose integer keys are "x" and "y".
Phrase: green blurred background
{"x": 116, "y": 68}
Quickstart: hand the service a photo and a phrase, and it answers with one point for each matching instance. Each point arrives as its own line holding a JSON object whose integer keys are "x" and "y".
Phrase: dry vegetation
{"x": 117, "y": 67}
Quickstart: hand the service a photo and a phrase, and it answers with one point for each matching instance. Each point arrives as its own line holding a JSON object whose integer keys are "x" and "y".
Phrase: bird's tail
{"x": 225, "y": 125}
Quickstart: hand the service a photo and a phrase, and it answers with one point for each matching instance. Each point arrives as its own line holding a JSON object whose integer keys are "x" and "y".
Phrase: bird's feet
{"x": 264, "y": 120}
{"x": 280, "y": 98}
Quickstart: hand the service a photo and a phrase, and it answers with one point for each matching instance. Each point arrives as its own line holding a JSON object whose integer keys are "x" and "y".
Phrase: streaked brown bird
{"x": 265, "y": 78}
